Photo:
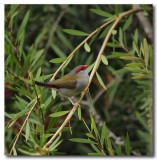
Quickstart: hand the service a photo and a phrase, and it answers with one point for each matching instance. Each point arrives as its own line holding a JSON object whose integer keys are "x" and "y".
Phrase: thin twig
{"x": 13, "y": 147}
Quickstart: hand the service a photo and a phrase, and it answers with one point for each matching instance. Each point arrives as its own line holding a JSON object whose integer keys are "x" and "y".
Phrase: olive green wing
{"x": 68, "y": 81}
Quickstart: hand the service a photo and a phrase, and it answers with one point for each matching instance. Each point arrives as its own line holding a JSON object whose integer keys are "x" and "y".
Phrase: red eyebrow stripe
{"x": 84, "y": 67}
{"x": 78, "y": 70}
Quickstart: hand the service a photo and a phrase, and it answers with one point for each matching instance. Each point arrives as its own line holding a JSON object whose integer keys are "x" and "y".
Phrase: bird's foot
{"x": 74, "y": 103}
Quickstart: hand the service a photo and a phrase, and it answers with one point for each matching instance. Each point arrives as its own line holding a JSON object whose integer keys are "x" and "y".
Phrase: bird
{"x": 70, "y": 84}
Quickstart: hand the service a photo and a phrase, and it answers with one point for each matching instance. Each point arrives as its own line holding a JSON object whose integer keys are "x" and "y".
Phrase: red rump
{"x": 51, "y": 85}
{"x": 81, "y": 68}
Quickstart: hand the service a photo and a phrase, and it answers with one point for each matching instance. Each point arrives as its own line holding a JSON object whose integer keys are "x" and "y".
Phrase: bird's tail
{"x": 46, "y": 85}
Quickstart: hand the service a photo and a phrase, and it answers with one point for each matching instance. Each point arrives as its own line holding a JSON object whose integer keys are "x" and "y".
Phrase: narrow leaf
{"x": 54, "y": 93}
{"x": 106, "y": 30}
{"x": 104, "y": 59}
{"x": 87, "y": 47}
{"x": 57, "y": 60}
{"x": 75, "y": 32}
{"x": 27, "y": 130}
{"x": 114, "y": 32}
{"x": 127, "y": 145}
{"x": 79, "y": 113}
{"x": 23, "y": 25}
{"x": 119, "y": 152}
{"x": 101, "y": 13}
{"x": 58, "y": 114}
{"x": 104, "y": 134}
{"x": 128, "y": 22}
{"x": 96, "y": 154}
{"x": 81, "y": 140}
{"x": 100, "y": 81}
{"x": 129, "y": 57}
{"x": 116, "y": 10}
{"x": 120, "y": 36}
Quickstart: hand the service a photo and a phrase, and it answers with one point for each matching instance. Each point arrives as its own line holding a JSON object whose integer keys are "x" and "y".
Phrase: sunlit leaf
{"x": 57, "y": 60}
{"x": 128, "y": 57}
{"x": 54, "y": 93}
{"x": 104, "y": 59}
{"x": 58, "y": 114}
{"x": 87, "y": 47}
{"x": 114, "y": 32}
{"x": 27, "y": 131}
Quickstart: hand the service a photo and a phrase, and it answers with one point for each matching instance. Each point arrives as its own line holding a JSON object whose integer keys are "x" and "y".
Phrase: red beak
{"x": 85, "y": 66}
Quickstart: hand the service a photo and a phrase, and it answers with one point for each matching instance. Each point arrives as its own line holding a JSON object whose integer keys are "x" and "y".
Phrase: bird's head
{"x": 80, "y": 71}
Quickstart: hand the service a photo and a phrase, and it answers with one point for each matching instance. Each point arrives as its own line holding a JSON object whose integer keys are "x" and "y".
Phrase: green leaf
{"x": 25, "y": 93}
{"x": 12, "y": 10}
{"x": 79, "y": 113}
{"x": 81, "y": 140}
{"x": 120, "y": 36}
{"x": 136, "y": 36}
{"x": 101, "y": 13}
{"x": 23, "y": 25}
{"x": 136, "y": 48}
{"x": 145, "y": 47}
{"x": 54, "y": 93}
{"x": 104, "y": 59}
{"x": 127, "y": 23}
{"x": 7, "y": 60}
{"x": 87, "y": 47}
{"x": 106, "y": 30}
{"x": 89, "y": 135}
{"x": 128, "y": 57}
{"x": 12, "y": 123}
{"x": 38, "y": 73}
{"x": 93, "y": 126}
{"x": 109, "y": 146}
{"x": 27, "y": 131}
{"x": 75, "y": 32}
{"x": 133, "y": 69}
{"x": 14, "y": 152}
{"x": 17, "y": 115}
{"x": 58, "y": 114}
{"x": 114, "y": 32}
{"x": 116, "y": 10}
{"x": 52, "y": 148}
{"x": 96, "y": 154}
{"x": 134, "y": 64}
{"x": 140, "y": 76}
{"x": 85, "y": 124}
{"x": 38, "y": 55}
{"x": 90, "y": 67}
{"x": 100, "y": 81}
{"x": 127, "y": 145}
{"x": 57, "y": 60}
{"x": 119, "y": 152}
{"x": 104, "y": 134}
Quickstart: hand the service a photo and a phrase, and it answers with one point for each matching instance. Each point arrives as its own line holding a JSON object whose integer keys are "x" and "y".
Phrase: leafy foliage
{"x": 119, "y": 110}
